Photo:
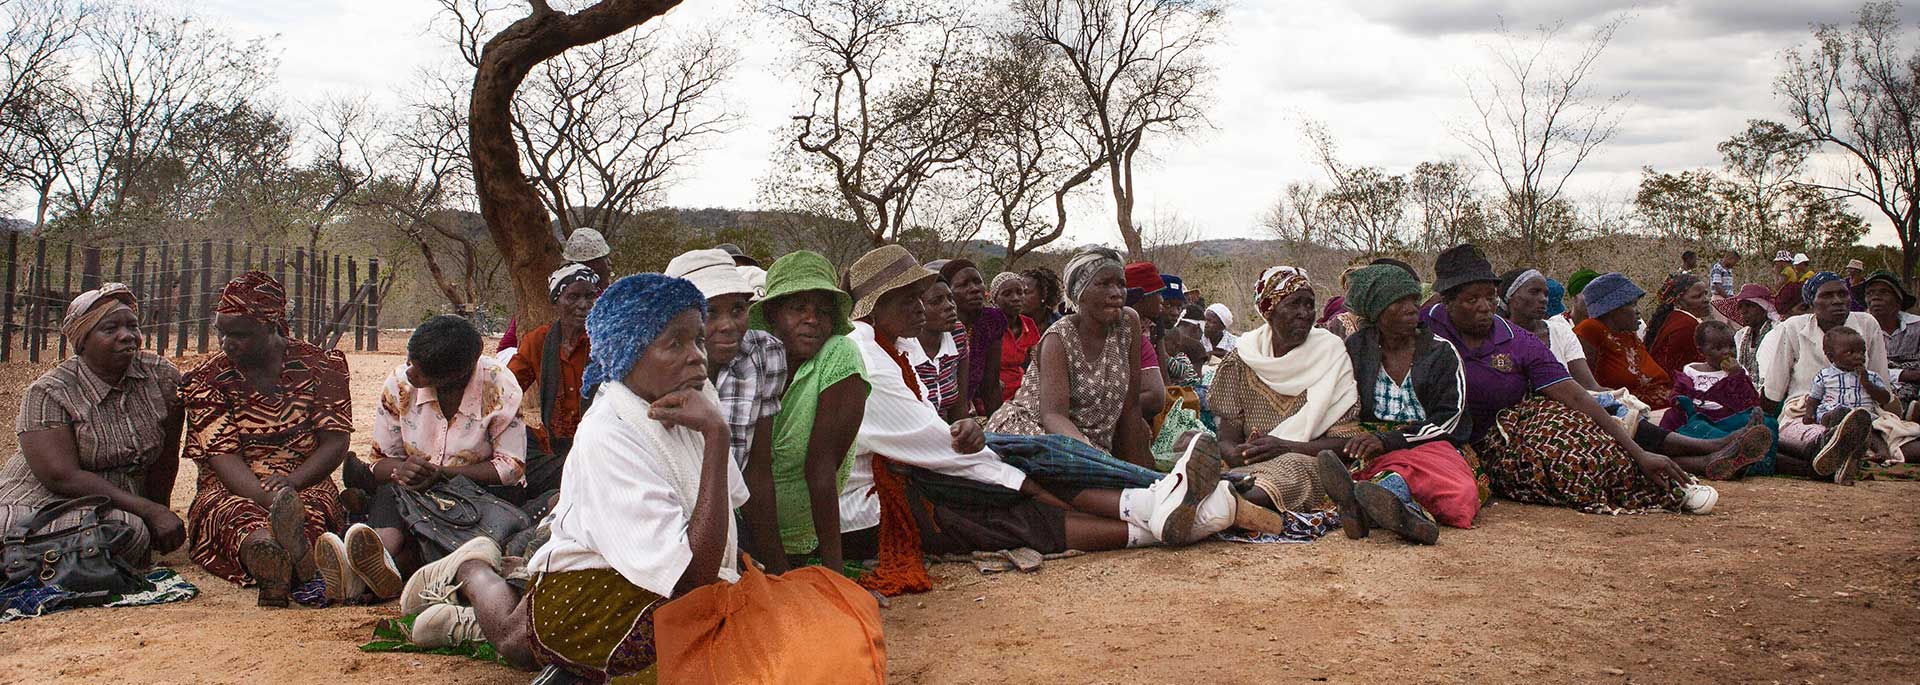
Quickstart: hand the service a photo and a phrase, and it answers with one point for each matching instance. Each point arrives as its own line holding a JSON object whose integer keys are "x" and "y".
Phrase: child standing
{"x": 1845, "y": 396}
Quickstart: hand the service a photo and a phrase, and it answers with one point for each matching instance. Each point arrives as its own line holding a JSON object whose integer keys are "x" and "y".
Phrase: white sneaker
{"x": 1216, "y": 513}
{"x": 445, "y": 625}
{"x": 1177, "y": 498}
{"x": 336, "y": 570}
{"x": 1698, "y": 499}
{"x": 438, "y": 583}
{"x": 371, "y": 561}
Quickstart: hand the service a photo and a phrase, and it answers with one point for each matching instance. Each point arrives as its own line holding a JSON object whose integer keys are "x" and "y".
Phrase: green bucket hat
{"x": 799, "y": 272}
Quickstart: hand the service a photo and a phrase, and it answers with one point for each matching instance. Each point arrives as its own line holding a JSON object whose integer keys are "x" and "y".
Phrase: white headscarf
{"x": 1225, "y": 315}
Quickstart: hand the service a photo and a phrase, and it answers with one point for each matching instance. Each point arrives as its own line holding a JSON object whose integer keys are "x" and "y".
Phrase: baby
{"x": 1718, "y": 387}
{"x": 1844, "y": 398}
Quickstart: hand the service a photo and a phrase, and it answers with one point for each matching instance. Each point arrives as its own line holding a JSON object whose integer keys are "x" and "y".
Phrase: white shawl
{"x": 678, "y": 453}
{"x": 1319, "y": 369}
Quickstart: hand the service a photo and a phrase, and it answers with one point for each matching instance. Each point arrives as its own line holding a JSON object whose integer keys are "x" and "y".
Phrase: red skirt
{"x": 1438, "y": 476}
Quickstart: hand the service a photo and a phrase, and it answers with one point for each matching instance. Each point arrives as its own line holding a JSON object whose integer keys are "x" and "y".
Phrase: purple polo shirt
{"x": 1502, "y": 371}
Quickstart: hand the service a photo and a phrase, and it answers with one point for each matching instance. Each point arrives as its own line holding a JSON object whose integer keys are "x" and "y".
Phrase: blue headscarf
{"x": 1812, "y": 286}
{"x": 625, "y": 320}
{"x": 1556, "y": 298}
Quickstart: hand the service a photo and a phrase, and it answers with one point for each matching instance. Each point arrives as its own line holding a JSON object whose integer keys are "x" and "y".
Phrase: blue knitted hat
{"x": 1610, "y": 292}
{"x": 1812, "y": 286}
{"x": 627, "y": 317}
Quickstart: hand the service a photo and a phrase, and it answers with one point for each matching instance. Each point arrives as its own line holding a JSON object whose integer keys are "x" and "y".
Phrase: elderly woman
{"x": 1084, "y": 381}
{"x": 1527, "y": 301}
{"x": 1669, "y": 337}
{"x": 1412, "y": 391}
{"x": 1794, "y": 353}
{"x": 1219, "y": 336}
{"x": 104, "y": 422}
{"x": 820, "y": 413}
{"x": 448, "y": 412}
{"x": 1540, "y": 437}
{"x": 1286, "y": 393}
{"x": 979, "y": 334}
{"x": 645, "y": 516}
{"x": 1013, "y": 293}
{"x": 551, "y": 361}
{"x": 1888, "y": 302}
{"x": 267, "y": 422}
{"x": 1618, "y": 357}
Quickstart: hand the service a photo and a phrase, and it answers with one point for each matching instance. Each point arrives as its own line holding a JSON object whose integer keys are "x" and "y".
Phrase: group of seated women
{"x": 665, "y": 428}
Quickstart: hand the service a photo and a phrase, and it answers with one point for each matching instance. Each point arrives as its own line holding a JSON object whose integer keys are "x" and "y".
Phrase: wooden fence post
{"x": 36, "y": 308}
{"x": 228, "y": 274}
{"x": 66, "y": 285}
{"x": 279, "y": 267}
{"x": 299, "y": 290}
{"x": 359, "y": 307}
{"x": 373, "y": 304}
{"x": 89, "y": 268}
{"x": 183, "y": 288}
{"x": 120, "y": 264}
{"x": 206, "y": 292}
{"x": 140, "y": 294}
{"x": 6, "y": 299}
{"x": 162, "y": 306}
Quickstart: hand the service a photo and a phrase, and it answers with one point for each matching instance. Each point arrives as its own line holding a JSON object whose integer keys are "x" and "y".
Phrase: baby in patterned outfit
{"x": 1845, "y": 384}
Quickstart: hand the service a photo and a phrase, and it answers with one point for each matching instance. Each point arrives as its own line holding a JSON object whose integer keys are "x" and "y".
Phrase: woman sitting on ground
{"x": 1620, "y": 360}
{"x": 820, "y": 412}
{"x": 903, "y": 437}
{"x": 104, "y": 422}
{"x": 1011, "y": 293}
{"x": 1411, "y": 390}
{"x": 549, "y": 365}
{"x": 1219, "y": 338}
{"x": 978, "y": 335}
{"x": 941, "y": 367}
{"x": 1795, "y": 354}
{"x": 645, "y": 516}
{"x": 1084, "y": 381}
{"x": 448, "y": 412}
{"x": 1683, "y": 305}
{"x": 1540, "y": 437}
{"x": 1888, "y": 302}
{"x": 1285, "y": 394}
{"x": 1752, "y": 311}
{"x": 268, "y": 418}
{"x": 1527, "y": 303}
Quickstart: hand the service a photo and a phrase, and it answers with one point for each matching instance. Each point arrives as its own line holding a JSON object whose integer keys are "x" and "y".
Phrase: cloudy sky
{"x": 1387, "y": 76}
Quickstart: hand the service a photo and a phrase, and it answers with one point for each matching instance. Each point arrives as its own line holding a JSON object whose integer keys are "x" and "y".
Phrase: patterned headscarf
{"x": 569, "y": 275}
{"x": 1003, "y": 280}
{"x": 1276, "y": 284}
{"x": 1084, "y": 264}
{"x": 1556, "y": 298}
{"x": 1812, "y": 286}
{"x": 86, "y": 311}
{"x": 255, "y": 295}
{"x": 1669, "y": 299}
{"x": 625, "y": 320}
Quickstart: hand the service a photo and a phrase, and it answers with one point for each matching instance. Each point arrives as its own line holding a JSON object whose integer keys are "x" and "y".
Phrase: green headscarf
{"x": 1579, "y": 280}
{"x": 799, "y": 272}
{"x": 1370, "y": 290}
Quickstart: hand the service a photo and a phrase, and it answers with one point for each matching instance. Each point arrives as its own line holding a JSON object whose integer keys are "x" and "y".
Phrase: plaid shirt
{"x": 1838, "y": 389}
{"x": 1720, "y": 280}
{"x": 750, "y": 388}
{"x": 1395, "y": 401}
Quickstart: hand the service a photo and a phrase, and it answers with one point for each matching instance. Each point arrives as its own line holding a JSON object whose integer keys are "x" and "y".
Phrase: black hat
{"x": 739, "y": 256}
{"x": 1461, "y": 265}
{"x": 1906, "y": 298}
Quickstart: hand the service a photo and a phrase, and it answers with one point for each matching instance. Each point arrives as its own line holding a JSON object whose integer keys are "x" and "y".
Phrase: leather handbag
{"x": 77, "y": 559}
{"x": 451, "y": 512}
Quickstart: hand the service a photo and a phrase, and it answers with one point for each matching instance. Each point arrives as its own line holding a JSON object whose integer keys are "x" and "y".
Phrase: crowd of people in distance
{"x": 796, "y": 441}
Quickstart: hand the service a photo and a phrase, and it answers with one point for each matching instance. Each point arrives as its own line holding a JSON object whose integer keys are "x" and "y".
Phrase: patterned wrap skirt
{"x": 1289, "y": 481}
{"x": 221, "y": 520}
{"x": 593, "y": 624}
{"x": 1544, "y": 452}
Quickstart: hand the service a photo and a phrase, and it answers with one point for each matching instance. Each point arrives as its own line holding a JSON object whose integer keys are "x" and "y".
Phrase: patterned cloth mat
{"x": 29, "y": 600}
{"x": 1299, "y": 529}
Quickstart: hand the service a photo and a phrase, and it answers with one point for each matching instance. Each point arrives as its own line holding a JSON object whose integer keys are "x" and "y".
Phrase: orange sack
{"x": 809, "y": 625}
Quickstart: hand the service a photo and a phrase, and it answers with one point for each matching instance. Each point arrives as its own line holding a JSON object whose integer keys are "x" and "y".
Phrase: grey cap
{"x": 585, "y": 244}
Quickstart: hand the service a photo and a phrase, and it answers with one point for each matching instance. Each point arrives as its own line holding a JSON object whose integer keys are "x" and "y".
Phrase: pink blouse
{"x": 487, "y": 427}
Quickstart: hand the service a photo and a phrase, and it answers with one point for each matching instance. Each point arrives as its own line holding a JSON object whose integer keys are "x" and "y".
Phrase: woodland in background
{"x": 987, "y": 129}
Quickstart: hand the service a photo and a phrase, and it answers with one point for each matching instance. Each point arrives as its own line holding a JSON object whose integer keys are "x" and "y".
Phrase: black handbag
{"x": 78, "y": 559}
{"x": 451, "y": 512}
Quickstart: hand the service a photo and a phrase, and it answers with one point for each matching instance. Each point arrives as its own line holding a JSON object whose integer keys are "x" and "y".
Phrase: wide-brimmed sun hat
{"x": 880, "y": 271}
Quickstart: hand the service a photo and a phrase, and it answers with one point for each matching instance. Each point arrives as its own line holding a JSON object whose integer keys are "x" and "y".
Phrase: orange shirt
{"x": 526, "y": 365}
{"x": 1620, "y": 360}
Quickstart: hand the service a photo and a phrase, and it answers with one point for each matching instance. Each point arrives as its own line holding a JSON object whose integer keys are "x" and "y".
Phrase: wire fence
{"x": 177, "y": 286}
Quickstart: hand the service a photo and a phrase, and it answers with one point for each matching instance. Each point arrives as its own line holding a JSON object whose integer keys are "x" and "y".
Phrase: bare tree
{"x": 1032, "y": 158}
{"x": 894, "y": 84}
{"x": 1140, "y": 70}
{"x": 1367, "y": 206}
{"x": 35, "y": 48}
{"x": 423, "y": 176}
{"x": 1538, "y": 120}
{"x": 1762, "y": 163}
{"x": 346, "y": 143}
{"x": 1448, "y": 201}
{"x": 515, "y": 215}
{"x": 1298, "y": 215}
{"x": 1855, "y": 89}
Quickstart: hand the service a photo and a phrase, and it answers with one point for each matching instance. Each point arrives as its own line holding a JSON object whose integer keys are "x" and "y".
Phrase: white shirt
{"x": 905, "y": 429}
{"x": 619, "y": 510}
{"x": 1790, "y": 355}
{"x": 1563, "y": 342}
{"x": 1227, "y": 342}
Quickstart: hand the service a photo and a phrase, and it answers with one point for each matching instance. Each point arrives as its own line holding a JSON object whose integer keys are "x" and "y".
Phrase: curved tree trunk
{"x": 515, "y": 216}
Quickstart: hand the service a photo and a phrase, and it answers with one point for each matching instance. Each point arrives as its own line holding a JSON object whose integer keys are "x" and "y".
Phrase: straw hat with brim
{"x": 1887, "y": 277}
{"x": 880, "y": 271}
{"x": 1461, "y": 265}
{"x": 799, "y": 272}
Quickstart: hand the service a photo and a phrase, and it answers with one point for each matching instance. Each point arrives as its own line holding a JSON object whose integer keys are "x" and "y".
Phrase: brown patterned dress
{"x": 1239, "y": 395}
{"x": 1096, "y": 386}
{"x": 273, "y": 433}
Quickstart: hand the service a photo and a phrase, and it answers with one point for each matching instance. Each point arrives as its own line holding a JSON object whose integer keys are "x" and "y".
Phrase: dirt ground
{"x": 1788, "y": 581}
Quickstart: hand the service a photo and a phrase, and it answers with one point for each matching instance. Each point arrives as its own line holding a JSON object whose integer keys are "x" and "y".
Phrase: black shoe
{"x": 1385, "y": 510}
{"x": 1337, "y": 481}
